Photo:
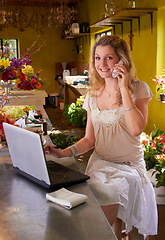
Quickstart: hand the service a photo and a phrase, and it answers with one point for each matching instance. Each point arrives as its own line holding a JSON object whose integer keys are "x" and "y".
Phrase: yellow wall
{"x": 147, "y": 53}
{"x": 56, "y": 50}
{"x": 144, "y": 51}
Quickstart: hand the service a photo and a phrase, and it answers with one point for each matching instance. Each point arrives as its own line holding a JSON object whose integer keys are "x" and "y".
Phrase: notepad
{"x": 66, "y": 198}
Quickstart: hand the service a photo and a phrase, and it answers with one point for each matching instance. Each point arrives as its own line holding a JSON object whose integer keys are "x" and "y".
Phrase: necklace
{"x": 109, "y": 94}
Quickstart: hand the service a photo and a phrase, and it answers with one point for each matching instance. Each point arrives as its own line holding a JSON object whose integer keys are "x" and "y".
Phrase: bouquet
{"x": 154, "y": 154}
{"x": 28, "y": 80}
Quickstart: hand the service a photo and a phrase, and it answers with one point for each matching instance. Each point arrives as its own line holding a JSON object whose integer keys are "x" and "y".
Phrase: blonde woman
{"x": 117, "y": 110}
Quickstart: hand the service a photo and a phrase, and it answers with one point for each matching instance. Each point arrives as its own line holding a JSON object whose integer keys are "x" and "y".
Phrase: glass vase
{"x": 7, "y": 86}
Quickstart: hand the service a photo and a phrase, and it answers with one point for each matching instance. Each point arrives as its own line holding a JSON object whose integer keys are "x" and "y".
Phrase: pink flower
{"x": 159, "y": 80}
{"x": 145, "y": 142}
{"x": 153, "y": 144}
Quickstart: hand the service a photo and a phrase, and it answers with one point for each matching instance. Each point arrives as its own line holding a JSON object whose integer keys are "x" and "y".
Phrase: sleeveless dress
{"x": 117, "y": 167}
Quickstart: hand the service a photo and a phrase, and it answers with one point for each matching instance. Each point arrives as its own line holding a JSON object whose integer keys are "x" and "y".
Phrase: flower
{"x": 29, "y": 80}
{"x": 161, "y": 81}
{"x": 11, "y": 69}
{"x": 154, "y": 154}
{"x": 14, "y": 68}
{"x": 7, "y": 119}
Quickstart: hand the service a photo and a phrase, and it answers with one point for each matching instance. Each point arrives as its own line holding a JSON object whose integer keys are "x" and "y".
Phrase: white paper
{"x": 66, "y": 198}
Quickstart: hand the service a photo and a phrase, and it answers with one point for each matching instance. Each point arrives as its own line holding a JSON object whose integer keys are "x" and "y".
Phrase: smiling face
{"x": 105, "y": 60}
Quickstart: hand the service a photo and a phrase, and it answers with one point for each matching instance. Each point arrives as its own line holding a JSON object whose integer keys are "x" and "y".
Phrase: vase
{"x": 162, "y": 97}
{"x": 7, "y": 86}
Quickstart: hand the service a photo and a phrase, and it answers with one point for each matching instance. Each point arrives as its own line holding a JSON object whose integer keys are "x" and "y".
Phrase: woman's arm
{"x": 136, "y": 113}
{"x": 83, "y": 145}
{"x": 136, "y": 117}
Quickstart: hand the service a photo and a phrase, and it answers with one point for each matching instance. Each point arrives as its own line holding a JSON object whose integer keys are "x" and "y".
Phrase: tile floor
{"x": 58, "y": 122}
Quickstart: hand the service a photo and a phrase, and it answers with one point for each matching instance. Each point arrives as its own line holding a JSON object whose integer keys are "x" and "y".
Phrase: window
{"x": 98, "y": 35}
{"x": 8, "y": 48}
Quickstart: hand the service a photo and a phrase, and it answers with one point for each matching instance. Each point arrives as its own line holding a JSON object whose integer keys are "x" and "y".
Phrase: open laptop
{"x": 28, "y": 158}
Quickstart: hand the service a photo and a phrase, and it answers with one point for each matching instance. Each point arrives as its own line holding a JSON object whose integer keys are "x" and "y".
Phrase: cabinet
{"x": 125, "y": 15}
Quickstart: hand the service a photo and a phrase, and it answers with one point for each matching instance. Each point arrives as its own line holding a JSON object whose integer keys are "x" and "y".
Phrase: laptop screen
{"x": 26, "y": 152}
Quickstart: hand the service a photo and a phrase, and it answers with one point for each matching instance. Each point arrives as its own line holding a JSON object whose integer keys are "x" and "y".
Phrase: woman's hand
{"x": 122, "y": 76}
{"x": 53, "y": 150}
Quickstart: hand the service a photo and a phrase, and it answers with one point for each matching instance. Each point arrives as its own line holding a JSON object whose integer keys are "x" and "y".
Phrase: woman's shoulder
{"x": 139, "y": 84}
{"x": 141, "y": 90}
{"x": 87, "y": 100}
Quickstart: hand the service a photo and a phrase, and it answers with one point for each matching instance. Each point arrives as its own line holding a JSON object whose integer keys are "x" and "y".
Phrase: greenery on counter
{"x": 16, "y": 112}
{"x": 75, "y": 114}
{"x": 63, "y": 139}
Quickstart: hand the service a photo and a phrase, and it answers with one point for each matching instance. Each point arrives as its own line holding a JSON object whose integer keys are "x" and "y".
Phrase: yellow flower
{"x": 28, "y": 70}
{"x": 5, "y": 62}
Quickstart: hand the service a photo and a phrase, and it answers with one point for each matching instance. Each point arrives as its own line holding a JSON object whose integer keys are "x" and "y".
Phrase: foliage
{"x": 75, "y": 114}
{"x": 154, "y": 154}
{"x": 160, "y": 170}
{"x": 63, "y": 140}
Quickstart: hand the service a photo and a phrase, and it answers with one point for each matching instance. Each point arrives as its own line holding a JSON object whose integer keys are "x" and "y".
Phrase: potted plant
{"x": 161, "y": 81}
{"x": 75, "y": 114}
{"x": 154, "y": 154}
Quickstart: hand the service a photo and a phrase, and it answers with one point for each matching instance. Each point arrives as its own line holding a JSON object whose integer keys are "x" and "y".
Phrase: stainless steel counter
{"x": 25, "y": 213}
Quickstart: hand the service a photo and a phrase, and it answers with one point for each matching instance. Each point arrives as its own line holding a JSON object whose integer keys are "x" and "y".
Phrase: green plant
{"x": 160, "y": 170}
{"x": 63, "y": 139}
{"x": 75, "y": 114}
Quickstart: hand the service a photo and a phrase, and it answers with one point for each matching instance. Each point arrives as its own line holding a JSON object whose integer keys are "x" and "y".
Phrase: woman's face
{"x": 105, "y": 60}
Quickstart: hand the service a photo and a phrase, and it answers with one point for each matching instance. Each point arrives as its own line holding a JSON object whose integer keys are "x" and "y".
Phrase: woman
{"x": 117, "y": 109}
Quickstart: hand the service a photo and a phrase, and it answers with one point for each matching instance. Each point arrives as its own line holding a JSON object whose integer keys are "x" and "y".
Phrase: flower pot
{"x": 61, "y": 102}
{"x": 162, "y": 97}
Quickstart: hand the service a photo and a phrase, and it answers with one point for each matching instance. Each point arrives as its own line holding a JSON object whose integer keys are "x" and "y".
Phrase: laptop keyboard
{"x": 57, "y": 171}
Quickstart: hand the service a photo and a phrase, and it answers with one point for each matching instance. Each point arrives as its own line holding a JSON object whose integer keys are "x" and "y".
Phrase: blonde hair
{"x": 121, "y": 49}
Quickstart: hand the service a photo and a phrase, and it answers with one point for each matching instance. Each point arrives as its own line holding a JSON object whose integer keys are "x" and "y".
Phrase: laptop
{"x": 28, "y": 158}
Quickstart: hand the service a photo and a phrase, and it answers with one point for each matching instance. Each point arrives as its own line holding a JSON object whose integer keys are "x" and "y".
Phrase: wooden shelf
{"x": 76, "y": 35}
{"x": 125, "y": 15}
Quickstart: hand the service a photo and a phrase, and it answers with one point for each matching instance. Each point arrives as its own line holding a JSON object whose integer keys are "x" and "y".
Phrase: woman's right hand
{"x": 53, "y": 150}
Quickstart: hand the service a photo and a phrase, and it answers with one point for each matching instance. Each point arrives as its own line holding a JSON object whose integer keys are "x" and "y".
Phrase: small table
{"x": 26, "y": 214}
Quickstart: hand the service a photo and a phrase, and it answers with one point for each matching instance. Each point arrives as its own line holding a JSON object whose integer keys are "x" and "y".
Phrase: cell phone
{"x": 114, "y": 75}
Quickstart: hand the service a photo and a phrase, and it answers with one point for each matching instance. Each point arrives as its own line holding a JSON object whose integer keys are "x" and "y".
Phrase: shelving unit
{"x": 126, "y": 15}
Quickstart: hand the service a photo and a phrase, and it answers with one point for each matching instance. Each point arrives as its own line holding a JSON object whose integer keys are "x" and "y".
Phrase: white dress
{"x": 117, "y": 168}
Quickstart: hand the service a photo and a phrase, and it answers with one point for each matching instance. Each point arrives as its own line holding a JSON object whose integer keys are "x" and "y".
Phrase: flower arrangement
{"x": 28, "y": 80}
{"x": 154, "y": 154}
{"x": 11, "y": 69}
{"x": 161, "y": 81}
